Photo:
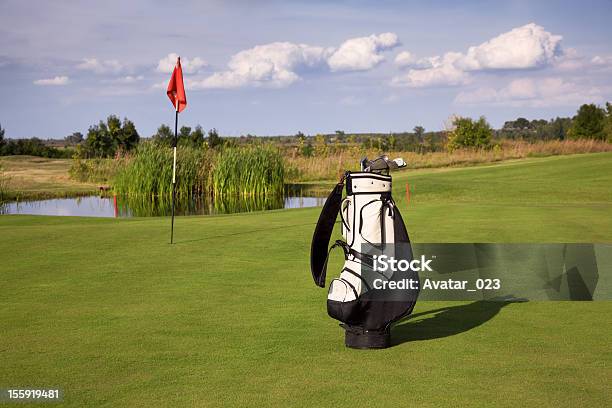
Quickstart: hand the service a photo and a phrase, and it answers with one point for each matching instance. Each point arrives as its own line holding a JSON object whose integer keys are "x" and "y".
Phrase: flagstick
{"x": 174, "y": 170}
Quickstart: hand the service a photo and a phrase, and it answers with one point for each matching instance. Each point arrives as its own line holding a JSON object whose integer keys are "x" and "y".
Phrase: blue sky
{"x": 279, "y": 67}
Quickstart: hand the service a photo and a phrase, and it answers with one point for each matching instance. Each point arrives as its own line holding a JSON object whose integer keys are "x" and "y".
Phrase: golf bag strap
{"x": 322, "y": 234}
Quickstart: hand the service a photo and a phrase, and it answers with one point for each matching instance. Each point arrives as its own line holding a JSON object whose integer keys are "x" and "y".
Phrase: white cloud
{"x": 599, "y": 60}
{"x": 279, "y": 64}
{"x": 443, "y": 72}
{"x": 404, "y": 59}
{"x": 190, "y": 66}
{"x": 274, "y": 64}
{"x": 363, "y": 53}
{"x": 55, "y": 81}
{"x": 602, "y": 62}
{"x": 530, "y": 92}
{"x": 529, "y": 46}
{"x": 129, "y": 79}
{"x": 101, "y": 67}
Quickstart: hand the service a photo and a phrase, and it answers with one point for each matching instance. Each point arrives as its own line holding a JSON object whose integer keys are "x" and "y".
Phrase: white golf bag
{"x": 371, "y": 226}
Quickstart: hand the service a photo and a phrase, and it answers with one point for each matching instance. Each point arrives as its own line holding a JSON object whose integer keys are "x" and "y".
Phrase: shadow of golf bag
{"x": 371, "y": 226}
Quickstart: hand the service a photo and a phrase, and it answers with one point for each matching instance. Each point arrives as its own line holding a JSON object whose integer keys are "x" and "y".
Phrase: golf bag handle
{"x": 322, "y": 234}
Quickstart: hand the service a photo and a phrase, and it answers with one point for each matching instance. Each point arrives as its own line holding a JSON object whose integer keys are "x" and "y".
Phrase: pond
{"x": 116, "y": 206}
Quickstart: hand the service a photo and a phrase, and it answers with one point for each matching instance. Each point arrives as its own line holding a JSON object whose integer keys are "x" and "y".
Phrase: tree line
{"x": 590, "y": 122}
{"x": 115, "y": 136}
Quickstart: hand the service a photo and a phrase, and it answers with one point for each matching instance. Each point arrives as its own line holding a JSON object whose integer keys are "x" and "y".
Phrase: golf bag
{"x": 371, "y": 226}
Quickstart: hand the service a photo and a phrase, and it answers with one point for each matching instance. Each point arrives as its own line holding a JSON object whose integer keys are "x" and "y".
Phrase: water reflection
{"x": 116, "y": 206}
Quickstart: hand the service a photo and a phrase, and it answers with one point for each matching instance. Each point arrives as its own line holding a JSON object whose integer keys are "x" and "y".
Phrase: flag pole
{"x": 174, "y": 167}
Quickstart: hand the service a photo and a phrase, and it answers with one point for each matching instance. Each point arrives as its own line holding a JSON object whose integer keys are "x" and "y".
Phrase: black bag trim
{"x": 367, "y": 174}
{"x": 361, "y": 278}
{"x": 350, "y": 176}
{"x": 351, "y": 286}
{"x": 322, "y": 234}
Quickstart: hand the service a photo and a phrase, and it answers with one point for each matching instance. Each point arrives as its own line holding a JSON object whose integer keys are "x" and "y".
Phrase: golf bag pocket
{"x": 348, "y": 218}
{"x": 342, "y": 300}
{"x": 370, "y": 223}
{"x": 376, "y": 222}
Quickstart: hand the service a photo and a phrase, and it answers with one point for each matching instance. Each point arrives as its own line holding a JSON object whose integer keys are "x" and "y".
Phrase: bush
{"x": 33, "y": 147}
{"x": 589, "y": 123}
{"x": 107, "y": 138}
{"x": 95, "y": 170}
{"x": 469, "y": 133}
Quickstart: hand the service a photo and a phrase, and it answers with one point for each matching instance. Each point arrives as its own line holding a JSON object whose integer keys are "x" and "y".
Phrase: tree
{"x": 559, "y": 128}
{"x": 307, "y": 149}
{"x": 127, "y": 137}
{"x": 589, "y": 123}
{"x": 213, "y": 139}
{"x": 419, "y": 131}
{"x": 2, "y": 141}
{"x": 470, "y": 133}
{"x": 183, "y": 135}
{"x": 197, "y": 137}
{"x": 522, "y": 124}
{"x": 608, "y": 124}
{"x": 163, "y": 136}
{"x": 75, "y": 138}
{"x": 98, "y": 142}
{"x": 106, "y": 138}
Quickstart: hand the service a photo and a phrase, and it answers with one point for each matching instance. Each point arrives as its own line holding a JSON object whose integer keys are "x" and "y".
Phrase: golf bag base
{"x": 355, "y": 337}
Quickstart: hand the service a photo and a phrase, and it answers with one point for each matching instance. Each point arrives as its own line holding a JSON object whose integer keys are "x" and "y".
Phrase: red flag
{"x": 176, "y": 89}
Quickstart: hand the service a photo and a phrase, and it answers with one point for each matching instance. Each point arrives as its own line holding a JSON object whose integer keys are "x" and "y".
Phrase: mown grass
{"x": 228, "y": 316}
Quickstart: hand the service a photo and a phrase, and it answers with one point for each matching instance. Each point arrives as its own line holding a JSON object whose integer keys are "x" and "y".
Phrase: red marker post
{"x": 407, "y": 194}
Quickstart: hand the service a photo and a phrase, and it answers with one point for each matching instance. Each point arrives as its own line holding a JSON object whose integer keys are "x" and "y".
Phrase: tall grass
{"x": 257, "y": 170}
{"x": 99, "y": 170}
{"x": 332, "y": 166}
{"x": 4, "y": 188}
{"x": 149, "y": 172}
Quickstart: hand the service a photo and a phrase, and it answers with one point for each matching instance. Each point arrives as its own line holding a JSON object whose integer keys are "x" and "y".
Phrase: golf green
{"x": 109, "y": 312}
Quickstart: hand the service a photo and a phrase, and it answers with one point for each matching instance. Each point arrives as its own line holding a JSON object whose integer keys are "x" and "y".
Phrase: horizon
{"x": 285, "y": 67}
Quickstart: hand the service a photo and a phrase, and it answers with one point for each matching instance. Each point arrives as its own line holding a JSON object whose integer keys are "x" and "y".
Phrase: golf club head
{"x": 381, "y": 164}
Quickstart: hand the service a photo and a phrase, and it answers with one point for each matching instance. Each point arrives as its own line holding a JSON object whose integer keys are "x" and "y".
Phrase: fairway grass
{"x": 108, "y": 311}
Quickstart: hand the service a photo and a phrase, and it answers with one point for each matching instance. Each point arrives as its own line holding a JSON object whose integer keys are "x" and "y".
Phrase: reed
{"x": 256, "y": 170}
{"x": 148, "y": 172}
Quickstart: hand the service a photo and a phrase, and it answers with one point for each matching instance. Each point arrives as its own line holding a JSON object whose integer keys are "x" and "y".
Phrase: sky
{"x": 279, "y": 67}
